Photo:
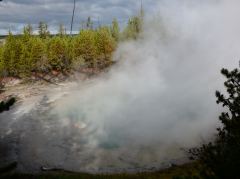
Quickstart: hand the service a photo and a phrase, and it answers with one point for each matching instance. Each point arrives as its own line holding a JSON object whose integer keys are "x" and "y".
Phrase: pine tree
{"x": 221, "y": 158}
{"x": 115, "y": 30}
{"x": 28, "y": 29}
{"x": 43, "y": 30}
{"x": 89, "y": 23}
{"x": 38, "y": 61}
{"x": 24, "y": 66}
{"x": 84, "y": 47}
{"x": 133, "y": 29}
{"x": 11, "y": 55}
{"x": 57, "y": 55}
{"x": 105, "y": 46}
{"x": 134, "y": 26}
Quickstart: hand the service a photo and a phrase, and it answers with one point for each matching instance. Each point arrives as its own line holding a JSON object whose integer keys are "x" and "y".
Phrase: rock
{"x": 10, "y": 81}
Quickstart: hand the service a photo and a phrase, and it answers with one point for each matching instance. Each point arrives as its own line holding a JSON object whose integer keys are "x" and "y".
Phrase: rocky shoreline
{"x": 9, "y": 86}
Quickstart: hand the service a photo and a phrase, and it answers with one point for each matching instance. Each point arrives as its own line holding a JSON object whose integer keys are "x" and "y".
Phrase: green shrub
{"x": 84, "y": 47}
{"x": 57, "y": 53}
{"x": 221, "y": 158}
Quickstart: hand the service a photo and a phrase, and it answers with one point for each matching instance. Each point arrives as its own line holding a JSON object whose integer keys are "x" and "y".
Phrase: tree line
{"x": 24, "y": 54}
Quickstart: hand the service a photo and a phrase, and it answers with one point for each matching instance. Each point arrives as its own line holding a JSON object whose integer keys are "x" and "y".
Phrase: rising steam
{"x": 155, "y": 102}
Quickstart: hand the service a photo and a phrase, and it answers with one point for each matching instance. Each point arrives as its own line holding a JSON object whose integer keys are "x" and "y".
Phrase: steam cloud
{"x": 157, "y": 100}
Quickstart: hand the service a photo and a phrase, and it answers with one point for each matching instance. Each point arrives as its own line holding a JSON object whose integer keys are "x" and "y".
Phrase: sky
{"x": 14, "y": 14}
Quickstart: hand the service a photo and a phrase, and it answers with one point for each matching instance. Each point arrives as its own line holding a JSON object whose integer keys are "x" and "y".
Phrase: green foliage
{"x": 25, "y": 54}
{"x": 24, "y": 64}
{"x": 43, "y": 30}
{"x": 105, "y": 45}
{"x": 57, "y": 53}
{"x": 11, "y": 55}
{"x": 133, "y": 28}
{"x": 115, "y": 30}
{"x": 28, "y": 30}
{"x": 221, "y": 158}
{"x": 84, "y": 47}
{"x": 21, "y": 55}
{"x": 38, "y": 58}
